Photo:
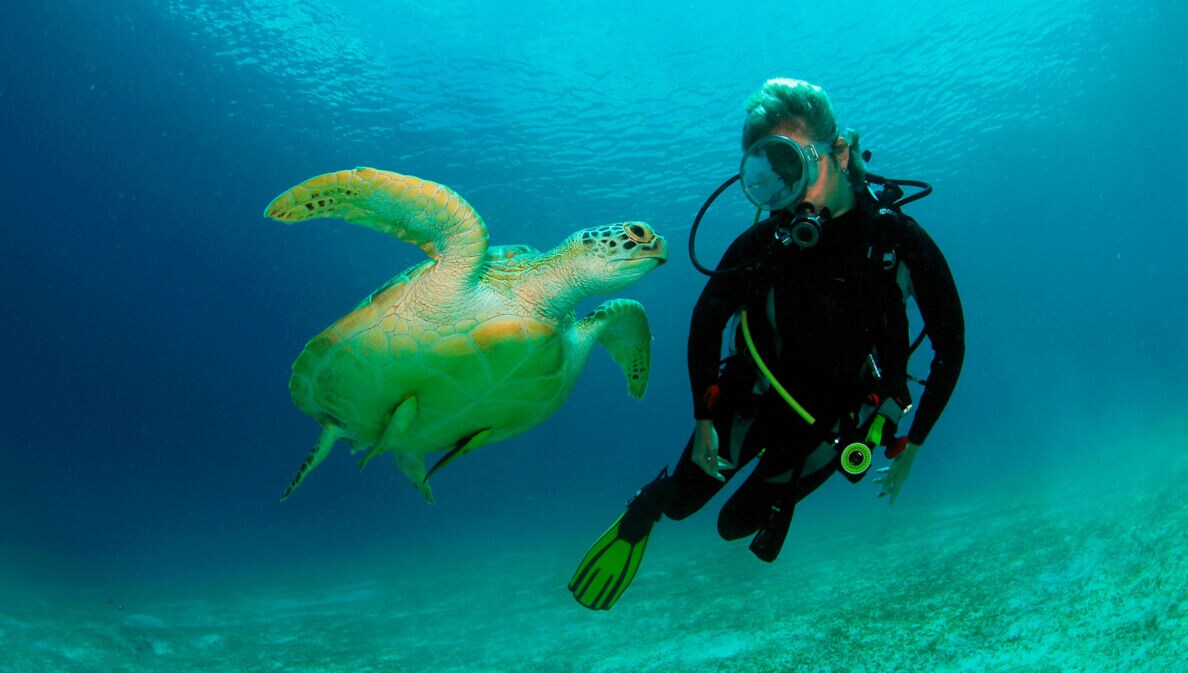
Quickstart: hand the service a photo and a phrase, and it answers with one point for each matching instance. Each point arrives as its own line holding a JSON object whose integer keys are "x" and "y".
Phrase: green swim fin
{"x": 608, "y": 568}
{"x": 610, "y": 565}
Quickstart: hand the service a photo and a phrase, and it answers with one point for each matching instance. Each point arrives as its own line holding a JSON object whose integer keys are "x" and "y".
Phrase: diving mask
{"x": 776, "y": 170}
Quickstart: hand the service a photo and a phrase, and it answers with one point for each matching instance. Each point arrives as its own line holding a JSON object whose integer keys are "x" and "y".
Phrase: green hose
{"x": 771, "y": 377}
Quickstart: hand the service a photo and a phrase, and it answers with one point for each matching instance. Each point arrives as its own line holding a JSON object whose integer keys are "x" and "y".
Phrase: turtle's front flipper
{"x": 430, "y": 216}
{"x": 316, "y": 455}
{"x": 621, "y": 326}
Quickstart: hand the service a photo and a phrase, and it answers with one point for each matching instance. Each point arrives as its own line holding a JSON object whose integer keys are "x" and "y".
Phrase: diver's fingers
{"x": 709, "y": 464}
{"x": 886, "y": 484}
{"x": 713, "y": 472}
{"x": 890, "y": 488}
{"x": 884, "y": 469}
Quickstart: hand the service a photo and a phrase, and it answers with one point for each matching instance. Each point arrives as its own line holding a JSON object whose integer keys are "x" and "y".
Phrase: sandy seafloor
{"x": 1093, "y": 577}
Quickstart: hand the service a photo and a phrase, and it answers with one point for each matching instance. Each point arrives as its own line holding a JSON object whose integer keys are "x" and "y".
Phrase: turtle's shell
{"x": 498, "y": 367}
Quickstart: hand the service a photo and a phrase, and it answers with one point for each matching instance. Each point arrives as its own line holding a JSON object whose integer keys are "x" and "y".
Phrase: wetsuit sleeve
{"x": 719, "y": 300}
{"x": 891, "y": 346}
{"x": 940, "y": 307}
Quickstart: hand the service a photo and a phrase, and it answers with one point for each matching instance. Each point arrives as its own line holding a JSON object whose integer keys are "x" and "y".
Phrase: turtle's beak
{"x": 661, "y": 255}
{"x": 655, "y": 250}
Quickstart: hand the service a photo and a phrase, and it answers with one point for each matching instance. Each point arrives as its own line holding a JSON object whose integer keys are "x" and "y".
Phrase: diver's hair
{"x": 806, "y": 106}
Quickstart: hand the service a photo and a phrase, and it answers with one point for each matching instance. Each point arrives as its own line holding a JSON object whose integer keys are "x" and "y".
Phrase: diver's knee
{"x": 678, "y": 511}
{"x": 730, "y": 528}
{"x": 739, "y": 519}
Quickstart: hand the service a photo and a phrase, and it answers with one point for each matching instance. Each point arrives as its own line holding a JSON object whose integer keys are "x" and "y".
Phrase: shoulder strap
{"x": 887, "y": 228}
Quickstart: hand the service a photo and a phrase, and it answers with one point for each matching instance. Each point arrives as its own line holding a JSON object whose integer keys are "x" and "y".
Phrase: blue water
{"x": 149, "y": 314}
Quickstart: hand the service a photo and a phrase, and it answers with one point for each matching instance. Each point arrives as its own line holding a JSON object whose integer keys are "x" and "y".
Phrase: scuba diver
{"x": 815, "y": 297}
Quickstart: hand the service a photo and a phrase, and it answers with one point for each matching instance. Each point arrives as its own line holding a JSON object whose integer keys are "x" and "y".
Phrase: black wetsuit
{"x": 815, "y": 315}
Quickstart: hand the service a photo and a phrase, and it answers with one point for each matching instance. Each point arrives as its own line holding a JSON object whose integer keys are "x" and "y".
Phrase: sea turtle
{"x": 477, "y": 344}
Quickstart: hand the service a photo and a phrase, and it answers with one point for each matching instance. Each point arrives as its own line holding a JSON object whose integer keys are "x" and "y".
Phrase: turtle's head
{"x": 611, "y": 257}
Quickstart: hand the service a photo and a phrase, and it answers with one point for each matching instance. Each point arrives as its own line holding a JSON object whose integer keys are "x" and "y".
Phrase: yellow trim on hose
{"x": 771, "y": 377}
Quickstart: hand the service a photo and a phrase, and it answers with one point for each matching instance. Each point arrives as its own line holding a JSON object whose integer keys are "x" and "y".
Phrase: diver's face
{"x": 832, "y": 188}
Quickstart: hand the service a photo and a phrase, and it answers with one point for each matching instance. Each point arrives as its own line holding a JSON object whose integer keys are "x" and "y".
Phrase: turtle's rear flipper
{"x": 316, "y": 455}
{"x": 413, "y": 467}
{"x": 621, "y": 326}
{"x": 401, "y": 417}
{"x": 464, "y": 446}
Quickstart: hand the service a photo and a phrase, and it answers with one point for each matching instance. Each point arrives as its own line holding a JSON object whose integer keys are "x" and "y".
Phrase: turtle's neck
{"x": 553, "y": 283}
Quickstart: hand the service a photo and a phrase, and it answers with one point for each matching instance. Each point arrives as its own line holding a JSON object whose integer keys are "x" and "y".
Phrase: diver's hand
{"x": 705, "y": 450}
{"x": 893, "y": 476}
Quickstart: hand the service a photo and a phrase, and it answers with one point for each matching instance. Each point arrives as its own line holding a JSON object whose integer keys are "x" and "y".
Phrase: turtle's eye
{"x": 638, "y": 233}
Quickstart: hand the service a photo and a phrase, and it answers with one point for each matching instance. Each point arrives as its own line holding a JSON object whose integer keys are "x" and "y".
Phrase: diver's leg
{"x": 812, "y": 481}
{"x": 611, "y": 563}
{"x": 750, "y": 508}
{"x": 765, "y": 502}
{"x": 770, "y": 535}
{"x": 690, "y": 486}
